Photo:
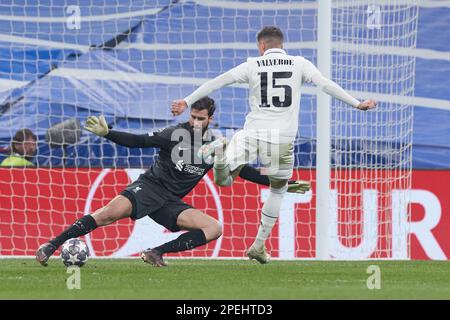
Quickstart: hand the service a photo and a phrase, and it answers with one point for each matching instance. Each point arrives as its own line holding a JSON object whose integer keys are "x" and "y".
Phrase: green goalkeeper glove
{"x": 298, "y": 186}
{"x": 97, "y": 126}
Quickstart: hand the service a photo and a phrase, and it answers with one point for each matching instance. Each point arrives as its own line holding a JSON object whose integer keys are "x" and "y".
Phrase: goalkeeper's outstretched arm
{"x": 251, "y": 174}
{"x": 99, "y": 127}
{"x": 135, "y": 140}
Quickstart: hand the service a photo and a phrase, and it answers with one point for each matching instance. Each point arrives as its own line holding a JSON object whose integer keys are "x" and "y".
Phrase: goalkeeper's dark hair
{"x": 205, "y": 103}
{"x": 270, "y": 34}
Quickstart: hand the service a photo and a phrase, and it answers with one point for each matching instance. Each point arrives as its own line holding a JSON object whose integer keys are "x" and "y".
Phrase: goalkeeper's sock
{"x": 186, "y": 241}
{"x": 81, "y": 227}
{"x": 269, "y": 216}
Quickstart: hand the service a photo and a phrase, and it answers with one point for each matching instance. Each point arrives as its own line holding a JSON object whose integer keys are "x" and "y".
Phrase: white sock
{"x": 222, "y": 175}
{"x": 269, "y": 216}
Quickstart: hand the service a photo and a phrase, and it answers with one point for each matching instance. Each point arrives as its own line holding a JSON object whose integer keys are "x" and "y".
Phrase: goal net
{"x": 60, "y": 63}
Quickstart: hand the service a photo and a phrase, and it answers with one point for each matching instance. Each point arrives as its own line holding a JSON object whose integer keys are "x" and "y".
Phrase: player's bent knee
{"x": 213, "y": 231}
{"x": 217, "y": 231}
{"x": 119, "y": 208}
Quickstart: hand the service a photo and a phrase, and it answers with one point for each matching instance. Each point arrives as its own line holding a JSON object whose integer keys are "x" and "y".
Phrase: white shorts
{"x": 277, "y": 160}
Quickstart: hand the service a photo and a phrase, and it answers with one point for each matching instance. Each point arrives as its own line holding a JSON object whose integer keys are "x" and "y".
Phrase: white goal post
{"x": 358, "y": 47}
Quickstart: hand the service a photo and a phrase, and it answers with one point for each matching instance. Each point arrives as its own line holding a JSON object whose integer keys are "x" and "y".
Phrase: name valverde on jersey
{"x": 275, "y": 62}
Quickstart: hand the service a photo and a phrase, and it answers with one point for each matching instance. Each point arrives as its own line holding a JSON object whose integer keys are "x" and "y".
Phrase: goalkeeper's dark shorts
{"x": 149, "y": 198}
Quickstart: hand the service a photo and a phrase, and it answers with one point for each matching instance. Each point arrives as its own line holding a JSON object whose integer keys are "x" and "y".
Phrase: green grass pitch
{"x": 225, "y": 279}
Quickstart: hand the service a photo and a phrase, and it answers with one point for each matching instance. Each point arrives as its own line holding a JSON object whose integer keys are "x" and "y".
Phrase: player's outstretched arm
{"x": 333, "y": 89}
{"x": 99, "y": 127}
{"x": 312, "y": 74}
{"x": 367, "y": 105}
{"x": 178, "y": 107}
{"x": 253, "y": 175}
{"x": 237, "y": 74}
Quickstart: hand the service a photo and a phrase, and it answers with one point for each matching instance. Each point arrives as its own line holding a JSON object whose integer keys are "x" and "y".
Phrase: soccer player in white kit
{"x": 275, "y": 79}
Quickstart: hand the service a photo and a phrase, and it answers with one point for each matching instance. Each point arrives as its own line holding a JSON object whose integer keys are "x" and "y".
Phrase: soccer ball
{"x": 74, "y": 252}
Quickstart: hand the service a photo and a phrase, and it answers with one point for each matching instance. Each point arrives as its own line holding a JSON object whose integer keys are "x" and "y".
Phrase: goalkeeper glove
{"x": 298, "y": 186}
{"x": 97, "y": 126}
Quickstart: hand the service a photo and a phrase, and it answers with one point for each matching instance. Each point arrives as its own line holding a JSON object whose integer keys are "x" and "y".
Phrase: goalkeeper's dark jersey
{"x": 178, "y": 168}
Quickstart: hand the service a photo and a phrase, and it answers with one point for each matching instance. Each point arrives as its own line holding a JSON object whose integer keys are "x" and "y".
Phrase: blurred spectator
{"x": 23, "y": 149}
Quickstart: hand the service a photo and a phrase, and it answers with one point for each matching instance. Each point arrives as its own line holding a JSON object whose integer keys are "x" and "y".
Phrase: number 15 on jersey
{"x": 276, "y": 101}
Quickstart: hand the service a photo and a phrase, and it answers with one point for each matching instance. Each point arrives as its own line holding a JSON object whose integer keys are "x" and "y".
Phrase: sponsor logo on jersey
{"x": 183, "y": 167}
{"x": 179, "y": 165}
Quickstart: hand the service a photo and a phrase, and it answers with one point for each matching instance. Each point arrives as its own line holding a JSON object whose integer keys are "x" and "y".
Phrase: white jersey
{"x": 275, "y": 81}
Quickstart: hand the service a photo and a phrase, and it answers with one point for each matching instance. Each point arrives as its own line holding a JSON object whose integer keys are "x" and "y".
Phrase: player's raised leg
{"x": 118, "y": 208}
{"x": 201, "y": 230}
{"x": 216, "y": 149}
{"x": 241, "y": 150}
{"x": 222, "y": 172}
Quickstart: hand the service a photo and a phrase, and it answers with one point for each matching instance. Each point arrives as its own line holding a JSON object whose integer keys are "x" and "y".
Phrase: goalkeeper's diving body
{"x": 275, "y": 79}
{"x": 158, "y": 192}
